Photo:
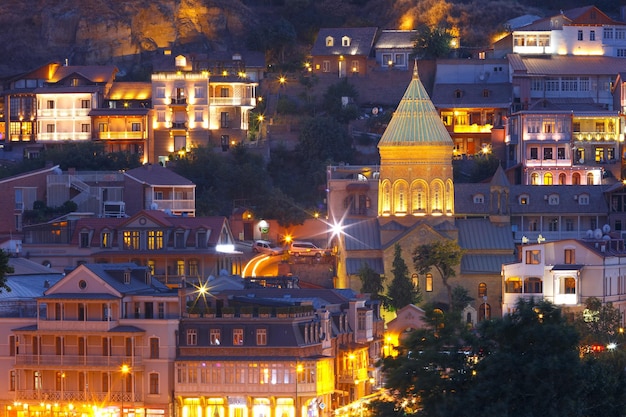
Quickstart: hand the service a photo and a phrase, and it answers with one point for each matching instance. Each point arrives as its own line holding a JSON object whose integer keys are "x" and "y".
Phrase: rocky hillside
{"x": 123, "y": 32}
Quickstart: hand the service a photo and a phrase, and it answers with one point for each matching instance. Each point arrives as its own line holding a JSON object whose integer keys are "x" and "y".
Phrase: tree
{"x": 5, "y": 269}
{"x": 432, "y": 42}
{"x": 443, "y": 255}
{"x": 598, "y": 323}
{"x": 402, "y": 291}
{"x": 372, "y": 283}
{"x": 334, "y": 105}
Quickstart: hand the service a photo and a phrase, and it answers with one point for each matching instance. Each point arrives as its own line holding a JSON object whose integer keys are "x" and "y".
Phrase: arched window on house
{"x": 562, "y": 179}
{"x": 482, "y": 290}
{"x": 534, "y": 179}
{"x": 575, "y": 178}
{"x": 547, "y": 178}
{"x": 590, "y": 177}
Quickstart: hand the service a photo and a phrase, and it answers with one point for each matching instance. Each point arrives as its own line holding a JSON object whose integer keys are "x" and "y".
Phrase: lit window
{"x": 533, "y": 257}
{"x": 214, "y": 337}
{"x": 569, "y": 256}
{"x": 429, "y": 282}
{"x": 261, "y": 337}
{"x": 238, "y": 337}
{"x": 192, "y": 337}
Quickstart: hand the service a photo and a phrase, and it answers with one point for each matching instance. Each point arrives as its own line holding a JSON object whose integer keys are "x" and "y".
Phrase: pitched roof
{"x": 361, "y": 234}
{"x": 44, "y": 171}
{"x": 472, "y": 95}
{"x": 415, "y": 121}
{"x": 396, "y": 39}
{"x": 567, "y": 65}
{"x": 94, "y": 73}
{"x": 361, "y": 41}
{"x": 481, "y": 234}
{"x": 156, "y": 175}
{"x": 130, "y": 91}
{"x": 353, "y": 265}
{"x": 485, "y": 264}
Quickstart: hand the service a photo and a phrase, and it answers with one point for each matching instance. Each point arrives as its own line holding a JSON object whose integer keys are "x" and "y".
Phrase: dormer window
{"x": 345, "y": 41}
{"x": 553, "y": 199}
{"x": 479, "y": 199}
{"x": 458, "y": 94}
{"x": 181, "y": 61}
{"x": 127, "y": 276}
{"x": 485, "y": 93}
{"x": 330, "y": 41}
{"x": 524, "y": 199}
{"x": 583, "y": 199}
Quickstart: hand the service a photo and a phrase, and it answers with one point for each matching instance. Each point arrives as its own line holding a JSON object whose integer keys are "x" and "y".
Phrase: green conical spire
{"x": 415, "y": 121}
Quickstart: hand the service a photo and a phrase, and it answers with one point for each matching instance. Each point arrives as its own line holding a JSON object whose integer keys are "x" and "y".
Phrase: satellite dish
{"x": 606, "y": 228}
{"x": 154, "y": 206}
{"x": 597, "y": 233}
{"x": 606, "y": 237}
{"x": 589, "y": 233}
{"x": 375, "y": 110}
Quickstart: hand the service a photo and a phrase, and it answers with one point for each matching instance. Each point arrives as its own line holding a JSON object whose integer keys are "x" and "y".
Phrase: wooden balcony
{"x": 54, "y": 362}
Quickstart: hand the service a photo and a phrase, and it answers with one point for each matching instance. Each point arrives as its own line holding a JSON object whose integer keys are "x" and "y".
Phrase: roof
{"x": 130, "y": 91}
{"x": 19, "y": 177}
{"x": 361, "y": 234}
{"x": 354, "y": 265}
{"x": 361, "y": 41}
{"x": 415, "y": 121}
{"x": 28, "y": 286}
{"x": 94, "y": 73}
{"x": 23, "y": 266}
{"x": 485, "y": 264}
{"x": 578, "y": 65}
{"x": 496, "y": 95}
{"x": 319, "y": 297}
{"x": 481, "y": 234}
{"x": 396, "y": 39}
{"x": 157, "y": 175}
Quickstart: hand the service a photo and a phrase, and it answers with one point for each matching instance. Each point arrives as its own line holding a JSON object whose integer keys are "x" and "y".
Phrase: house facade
{"x": 102, "y": 342}
{"x": 394, "y": 49}
{"x": 343, "y": 51}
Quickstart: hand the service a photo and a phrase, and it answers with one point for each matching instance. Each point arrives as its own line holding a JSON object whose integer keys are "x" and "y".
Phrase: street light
{"x": 261, "y": 118}
{"x": 125, "y": 369}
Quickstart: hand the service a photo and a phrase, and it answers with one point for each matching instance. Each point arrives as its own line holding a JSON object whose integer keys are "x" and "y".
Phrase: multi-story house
{"x": 102, "y": 340}
{"x": 580, "y": 31}
{"x": 123, "y": 122}
{"x": 276, "y": 351}
{"x": 394, "y": 48}
{"x": 473, "y": 97}
{"x": 343, "y": 51}
{"x": 66, "y": 99}
{"x": 200, "y": 102}
{"x": 568, "y": 272}
{"x": 174, "y": 247}
{"x": 565, "y": 144}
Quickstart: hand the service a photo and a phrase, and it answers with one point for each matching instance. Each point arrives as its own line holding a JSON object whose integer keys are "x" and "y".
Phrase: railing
{"x": 178, "y": 101}
{"x": 595, "y": 136}
{"x": 475, "y": 128}
{"x": 174, "y": 204}
{"x": 52, "y": 361}
{"x": 76, "y": 396}
{"x": 64, "y": 136}
{"x": 60, "y": 113}
{"x": 233, "y": 101}
{"x": 78, "y": 325}
{"x": 121, "y": 135}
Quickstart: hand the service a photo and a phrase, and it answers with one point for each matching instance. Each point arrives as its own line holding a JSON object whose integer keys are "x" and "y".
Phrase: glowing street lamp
{"x": 125, "y": 370}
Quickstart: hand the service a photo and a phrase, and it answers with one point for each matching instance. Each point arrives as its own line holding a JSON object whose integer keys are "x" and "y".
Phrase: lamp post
{"x": 125, "y": 369}
{"x": 261, "y": 118}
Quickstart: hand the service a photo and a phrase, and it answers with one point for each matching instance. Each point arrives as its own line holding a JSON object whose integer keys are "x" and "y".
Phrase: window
{"x": 105, "y": 240}
{"x": 202, "y": 239}
{"x": 13, "y": 346}
{"x": 568, "y": 285}
{"x": 37, "y": 381}
{"x": 135, "y": 127}
{"x": 534, "y": 179}
{"x": 154, "y": 383}
{"x": 50, "y": 104}
{"x": 562, "y": 178}
{"x": 575, "y": 178}
{"x": 326, "y": 66}
{"x": 198, "y": 91}
{"x": 355, "y": 67}
{"x": 533, "y": 285}
{"x": 238, "y": 337}
{"x": 590, "y": 178}
{"x": 84, "y": 239}
{"x": 160, "y": 306}
{"x": 179, "y": 239}
{"x": 155, "y": 239}
{"x": 548, "y": 179}
{"x": 534, "y": 153}
{"x": 180, "y": 267}
{"x": 553, "y": 199}
{"x": 479, "y": 199}
{"x": 154, "y": 348}
{"x": 560, "y": 153}
{"x": 386, "y": 60}
{"x": 193, "y": 268}
{"x": 192, "y": 337}
{"x": 533, "y": 257}
{"x": 12, "y": 380}
{"x": 131, "y": 239}
{"x": 482, "y": 290}
{"x": 330, "y": 41}
{"x": 160, "y": 92}
{"x": 513, "y": 285}
{"x": 399, "y": 60}
{"x": 214, "y": 337}
{"x": 85, "y": 104}
{"x": 261, "y": 337}
{"x": 106, "y": 346}
{"x": 569, "y": 256}
{"x": 429, "y": 282}
{"x": 345, "y": 41}
{"x": 524, "y": 200}
{"x": 224, "y": 120}
{"x": 553, "y": 225}
{"x": 85, "y": 128}
{"x": 592, "y": 35}
{"x": 580, "y": 35}
{"x": 50, "y": 128}
{"x": 485, "y": 93}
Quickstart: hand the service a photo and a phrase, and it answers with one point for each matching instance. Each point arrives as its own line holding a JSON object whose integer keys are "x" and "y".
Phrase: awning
{"x": 567, "y": 267}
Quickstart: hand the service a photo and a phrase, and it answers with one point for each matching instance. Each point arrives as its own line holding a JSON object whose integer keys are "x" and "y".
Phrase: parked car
{"x": 307, "y": 249}
{"x": 266, "y": 247}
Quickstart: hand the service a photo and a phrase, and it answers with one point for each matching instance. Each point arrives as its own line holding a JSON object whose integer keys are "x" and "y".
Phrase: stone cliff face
{"x": 120, "y": 32}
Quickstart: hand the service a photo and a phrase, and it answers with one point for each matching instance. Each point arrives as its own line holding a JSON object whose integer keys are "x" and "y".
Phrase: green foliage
{"x": 372, "y": 283}
{"x": 5, "y": 269}
{"x": 287, "y": 105}
{"x": 442, "y": 255}
{"x": 42, "y": 213}
{"x": 402, "y": 291}
{"x": 599, "y": 323}
{"x": 333, "y": 105}
{"x": 274, "y": 36}
{"x": 432, "y": 42}
{"x": 484, "y": 167}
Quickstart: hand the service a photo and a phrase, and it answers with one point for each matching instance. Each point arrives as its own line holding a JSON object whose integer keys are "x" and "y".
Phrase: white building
{"x": 568, "y": 272}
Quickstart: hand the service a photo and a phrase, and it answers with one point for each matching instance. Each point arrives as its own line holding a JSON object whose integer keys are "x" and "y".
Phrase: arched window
{"x": 562, "y": 179}
{"x": 386, "y": 198}
{"x": 534, "y": 179}
{"x": 533, "y": 285}
{"x": 429, "y": 282}
{"x": 575, "y": 178}
{"x": 590, "y": 180}
{"x": 547, "y": 178}
{"x": 484, "y": 312}
{"x": 418, "y": 198}
{"x": 482, "y": 290}
{"x": 437, "y": 200}
{"x": 400, "y": 199}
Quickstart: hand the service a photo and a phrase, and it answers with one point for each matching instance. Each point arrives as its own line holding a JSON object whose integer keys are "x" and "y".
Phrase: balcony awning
{"x": 567, "y": 267}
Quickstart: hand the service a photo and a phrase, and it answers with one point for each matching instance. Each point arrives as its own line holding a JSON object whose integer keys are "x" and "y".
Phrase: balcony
{"x": 120, "y": 135}
{"x": 83, "y": 396}
{"x": 174, "y": 205}
{"x": 233, "y": 101}
{"x": 63, "y": 113}
{"x": 179, "y": 102}
{"x": 64, "y": 136}
{"x": 26, "y": 361}
{"x": 179, "y": 126}
{"x": 475, "y": 128}
{"x": 596, "y": 136}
